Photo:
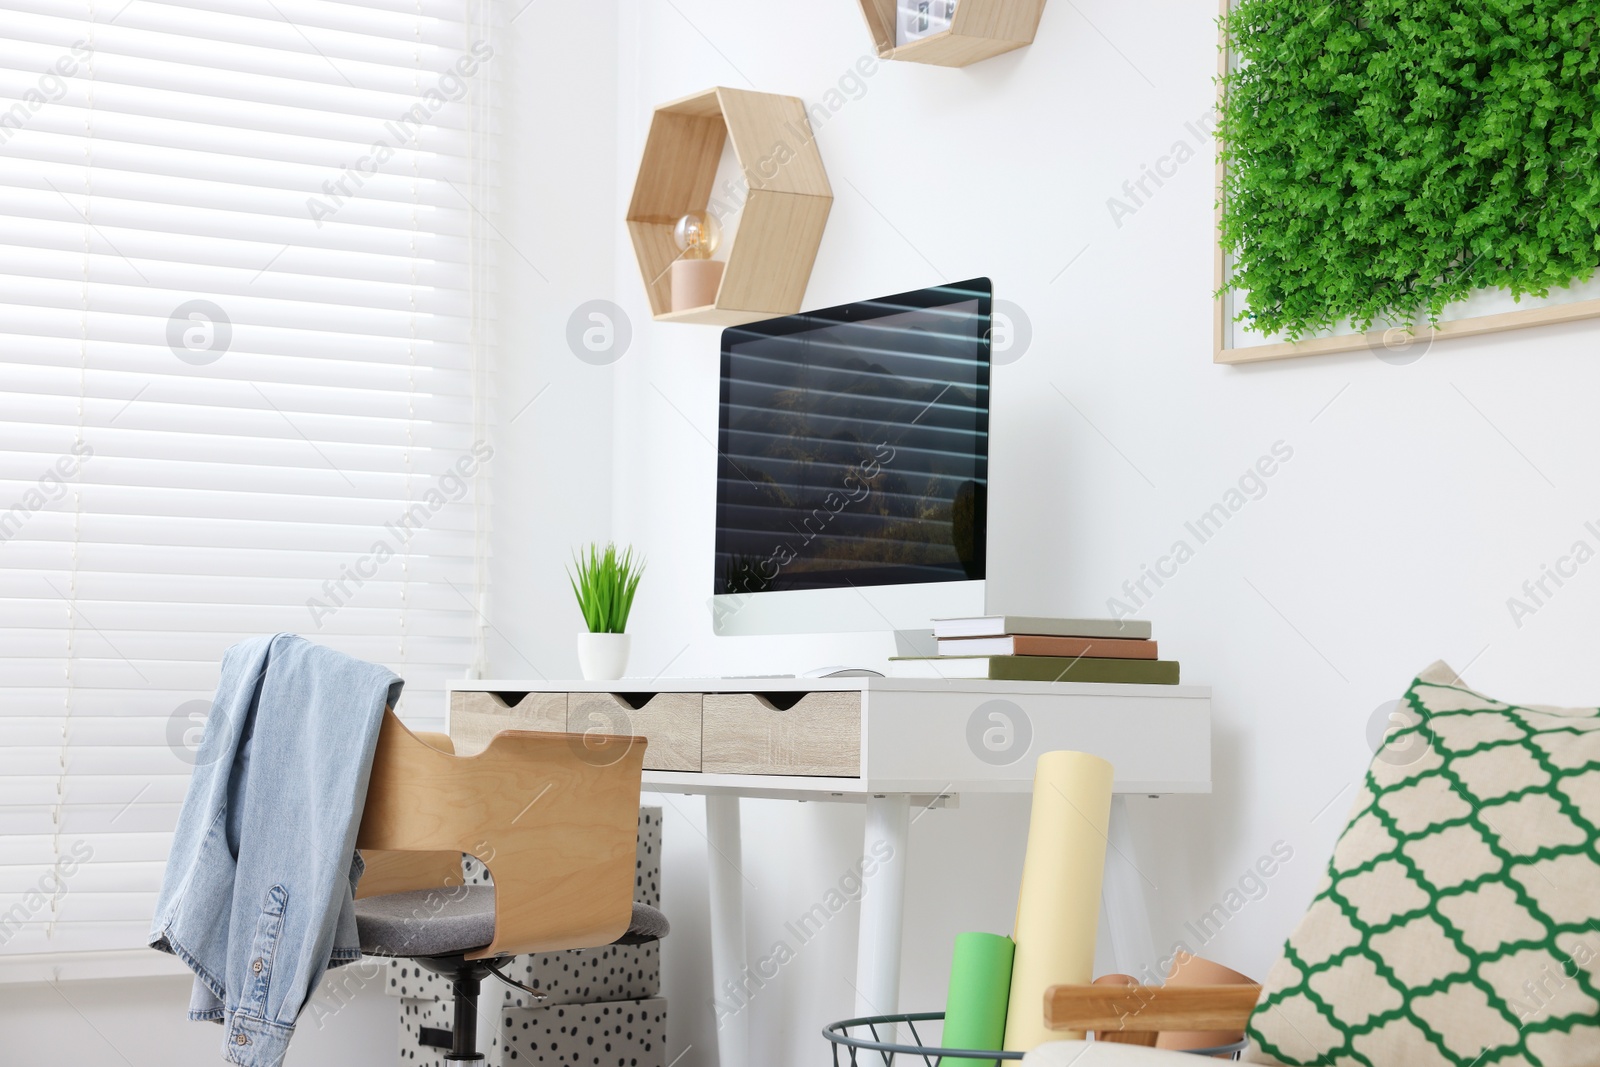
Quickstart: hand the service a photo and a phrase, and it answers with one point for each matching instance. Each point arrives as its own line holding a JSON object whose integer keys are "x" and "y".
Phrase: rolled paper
{"x": 980, "y": 985}
{"x": 1058, "y": 908}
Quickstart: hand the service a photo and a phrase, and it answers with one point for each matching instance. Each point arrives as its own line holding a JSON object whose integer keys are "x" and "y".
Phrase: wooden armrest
{"x": 1146, "y": 1008}
{"x": 553, "y": 816}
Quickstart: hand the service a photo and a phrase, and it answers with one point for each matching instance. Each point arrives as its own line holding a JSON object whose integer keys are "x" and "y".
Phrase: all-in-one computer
{"x": 852, "y": 475}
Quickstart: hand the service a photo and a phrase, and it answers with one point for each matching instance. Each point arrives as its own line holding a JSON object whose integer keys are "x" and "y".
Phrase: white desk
{"x": 886, "y": 742}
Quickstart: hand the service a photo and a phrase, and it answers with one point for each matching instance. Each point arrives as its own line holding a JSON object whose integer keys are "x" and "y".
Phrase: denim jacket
{"x": 258, "y": 893}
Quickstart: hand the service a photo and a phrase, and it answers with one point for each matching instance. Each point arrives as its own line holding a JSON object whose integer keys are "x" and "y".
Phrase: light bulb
{"x": 697, "y": 235}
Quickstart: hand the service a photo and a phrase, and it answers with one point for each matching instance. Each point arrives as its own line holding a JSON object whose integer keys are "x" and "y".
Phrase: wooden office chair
{"x": 554, "y": 819}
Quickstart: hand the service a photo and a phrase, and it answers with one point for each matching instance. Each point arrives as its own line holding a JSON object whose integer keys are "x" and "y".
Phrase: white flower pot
{"x": 602, "y": 657}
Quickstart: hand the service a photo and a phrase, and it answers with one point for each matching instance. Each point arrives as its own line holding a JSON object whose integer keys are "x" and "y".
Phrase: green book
{"x": 1038, "y": 669}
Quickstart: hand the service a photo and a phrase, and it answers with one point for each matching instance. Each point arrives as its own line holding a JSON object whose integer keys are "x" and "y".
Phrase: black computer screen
{"x": 854, "y": 444}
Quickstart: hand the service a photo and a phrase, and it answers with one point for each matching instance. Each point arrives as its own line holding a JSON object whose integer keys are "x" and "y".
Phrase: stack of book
{"x": 1024, "y": 649}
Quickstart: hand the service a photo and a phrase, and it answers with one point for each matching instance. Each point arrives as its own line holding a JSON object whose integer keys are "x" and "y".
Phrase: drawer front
{"x": 670, "y": 721}
{"x": 748, "y": 733}
{"x": 477, "y": 717}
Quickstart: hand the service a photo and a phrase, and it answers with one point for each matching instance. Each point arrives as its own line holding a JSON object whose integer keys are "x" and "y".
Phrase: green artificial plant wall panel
{"x": 1384, "y": 159}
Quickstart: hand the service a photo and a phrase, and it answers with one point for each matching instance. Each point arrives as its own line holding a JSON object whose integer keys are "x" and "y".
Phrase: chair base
{"x": 466, "y": 982}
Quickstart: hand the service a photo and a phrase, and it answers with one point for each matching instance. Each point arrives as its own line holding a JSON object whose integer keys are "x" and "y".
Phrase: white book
{"x": 943, "y": 667}
{"x": 1005, "y": 625}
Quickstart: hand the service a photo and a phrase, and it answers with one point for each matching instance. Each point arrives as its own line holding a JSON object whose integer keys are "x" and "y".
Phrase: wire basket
{"x": 840, "y": 1037}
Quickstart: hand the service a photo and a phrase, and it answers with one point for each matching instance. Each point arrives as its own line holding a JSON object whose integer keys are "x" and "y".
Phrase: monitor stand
{"x": 915, "y": 643}
{"x": 906, "y": 643}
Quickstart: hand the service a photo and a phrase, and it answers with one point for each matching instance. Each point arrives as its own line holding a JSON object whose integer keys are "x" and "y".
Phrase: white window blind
{"x": 239, "y": 394}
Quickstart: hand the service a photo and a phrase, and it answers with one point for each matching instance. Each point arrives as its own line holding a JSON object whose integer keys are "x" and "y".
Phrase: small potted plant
{"x": 604, "y": 585}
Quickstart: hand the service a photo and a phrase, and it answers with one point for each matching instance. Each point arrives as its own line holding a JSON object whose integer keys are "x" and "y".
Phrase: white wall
{"x": 1418, "y": 498}
{"x": 552, "y": 411}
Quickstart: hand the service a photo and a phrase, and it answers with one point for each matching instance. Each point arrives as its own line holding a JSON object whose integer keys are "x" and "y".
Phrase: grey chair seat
{"x": 443, "y": 922}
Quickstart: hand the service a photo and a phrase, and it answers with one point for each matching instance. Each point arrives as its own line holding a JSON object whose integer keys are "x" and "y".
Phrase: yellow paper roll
{"x": 1059, "y": 906}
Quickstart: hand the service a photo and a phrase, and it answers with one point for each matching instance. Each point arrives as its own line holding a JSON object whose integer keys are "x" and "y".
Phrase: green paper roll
{"x": 980, "y": 985}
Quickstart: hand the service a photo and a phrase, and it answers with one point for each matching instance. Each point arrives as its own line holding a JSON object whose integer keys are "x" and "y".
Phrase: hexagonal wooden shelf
{"x": 780, "y": 222}
{"x": 978, "y": 29}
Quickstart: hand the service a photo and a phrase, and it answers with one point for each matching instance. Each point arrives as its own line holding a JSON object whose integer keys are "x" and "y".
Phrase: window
{"x": 239, "y": 377}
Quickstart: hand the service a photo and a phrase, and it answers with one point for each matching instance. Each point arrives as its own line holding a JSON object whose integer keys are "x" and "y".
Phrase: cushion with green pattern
{"x": 1457, "y": 924}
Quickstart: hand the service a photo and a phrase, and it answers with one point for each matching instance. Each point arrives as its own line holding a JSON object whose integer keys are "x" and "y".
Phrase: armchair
{"x": 1135, "y": 1015}
{"x": 1456, "y": 922}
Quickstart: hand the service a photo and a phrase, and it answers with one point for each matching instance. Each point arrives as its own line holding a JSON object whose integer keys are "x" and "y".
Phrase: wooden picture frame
{"x": 1222, "y": 351}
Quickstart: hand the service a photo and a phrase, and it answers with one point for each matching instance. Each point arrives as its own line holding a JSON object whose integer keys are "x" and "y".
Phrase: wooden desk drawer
{"x": 752, "y": 733}
{"x": 476, "y": 717}
{"x": 671, "y": 722}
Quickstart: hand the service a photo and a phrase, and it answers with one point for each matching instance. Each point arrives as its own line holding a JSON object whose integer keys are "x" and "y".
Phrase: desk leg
{"x": 1127, "y": 912}
{"x": 726, "y": 885}
{"x": 883, "y": 906}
